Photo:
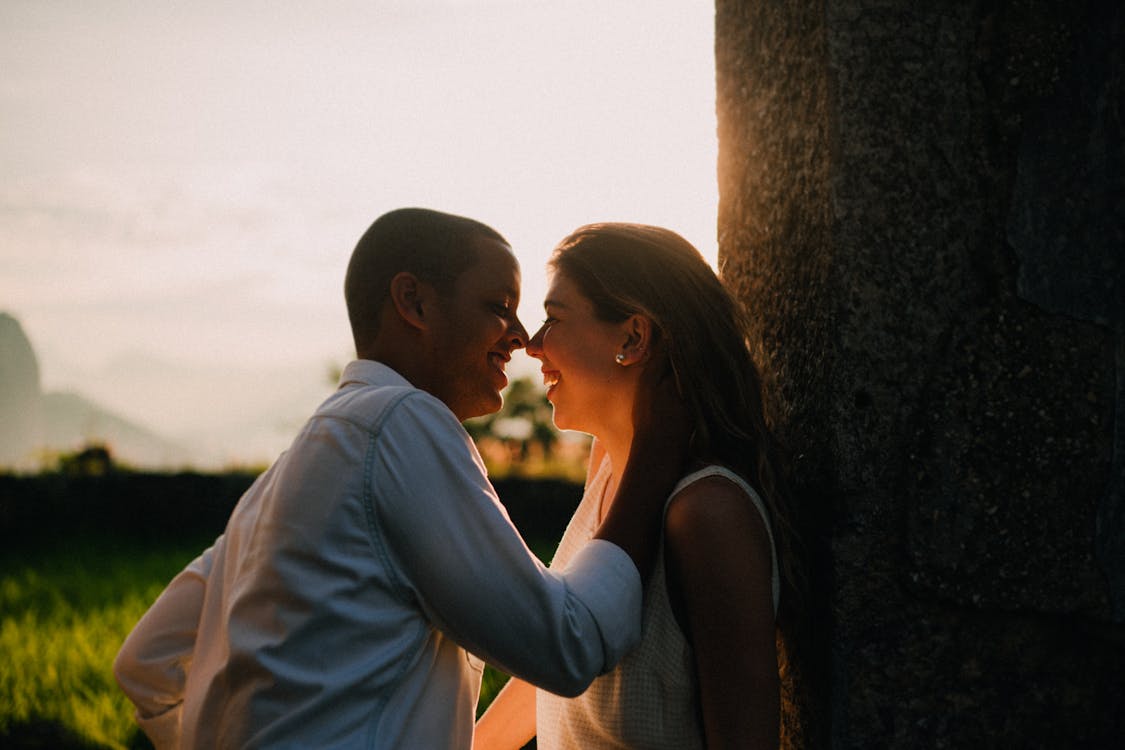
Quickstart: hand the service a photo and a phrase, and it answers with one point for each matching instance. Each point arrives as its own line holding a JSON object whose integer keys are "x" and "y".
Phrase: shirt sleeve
{"x": 154, "y": 660}
{"x": 457, "y": 553}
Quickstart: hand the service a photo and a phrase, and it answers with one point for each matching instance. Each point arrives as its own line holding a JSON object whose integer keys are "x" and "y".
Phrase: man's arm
{"x": 152, "y": 665}
{"x": 438, "y": 522}
{"x": 657, "y": 457}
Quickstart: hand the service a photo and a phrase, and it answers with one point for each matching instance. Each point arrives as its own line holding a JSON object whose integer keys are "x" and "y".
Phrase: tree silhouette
{"x": 523, "y": 420}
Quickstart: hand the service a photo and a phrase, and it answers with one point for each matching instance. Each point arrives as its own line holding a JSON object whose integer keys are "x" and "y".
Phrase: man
{"x": 363, "y": 577}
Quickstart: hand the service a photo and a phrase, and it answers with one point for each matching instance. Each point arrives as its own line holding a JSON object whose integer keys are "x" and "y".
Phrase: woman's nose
{"x": 535, "y": 344}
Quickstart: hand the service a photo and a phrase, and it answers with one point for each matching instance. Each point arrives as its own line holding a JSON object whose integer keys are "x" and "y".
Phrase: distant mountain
{"x": 224, "y": 415}
{"x": 34, "y": 424}
{"x": 71, "y": 421}
{"x": 21, "y": 419}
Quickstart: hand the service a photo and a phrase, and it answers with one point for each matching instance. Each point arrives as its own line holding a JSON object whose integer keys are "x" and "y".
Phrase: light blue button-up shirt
{"x": 352, "y": 586}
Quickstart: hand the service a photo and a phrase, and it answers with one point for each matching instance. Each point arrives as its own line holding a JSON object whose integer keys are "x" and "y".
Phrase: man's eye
{"x": 501, "y": 309}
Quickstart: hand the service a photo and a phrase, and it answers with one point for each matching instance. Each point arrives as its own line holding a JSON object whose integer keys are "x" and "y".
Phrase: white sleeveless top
{"x": 651, "y": 699}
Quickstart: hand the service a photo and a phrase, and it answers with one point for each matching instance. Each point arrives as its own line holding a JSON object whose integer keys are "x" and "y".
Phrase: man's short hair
{"x": 434, "y": 246}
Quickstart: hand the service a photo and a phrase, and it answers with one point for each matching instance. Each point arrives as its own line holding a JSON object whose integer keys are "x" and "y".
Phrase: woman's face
{"x": 586, "y": 386}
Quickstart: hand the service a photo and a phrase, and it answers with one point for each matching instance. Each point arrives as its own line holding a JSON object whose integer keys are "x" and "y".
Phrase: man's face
{"x": 474, "y": 332}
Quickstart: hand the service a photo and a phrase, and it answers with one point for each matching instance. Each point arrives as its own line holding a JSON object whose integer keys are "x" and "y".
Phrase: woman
{"x": 706, "y": 672}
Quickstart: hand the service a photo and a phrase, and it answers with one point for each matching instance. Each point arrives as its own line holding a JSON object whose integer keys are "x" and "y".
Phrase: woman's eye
{"x": 548, "y": 322}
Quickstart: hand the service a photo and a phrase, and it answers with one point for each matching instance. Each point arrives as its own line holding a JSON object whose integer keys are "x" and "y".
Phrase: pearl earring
{"x": 620, "y": 358}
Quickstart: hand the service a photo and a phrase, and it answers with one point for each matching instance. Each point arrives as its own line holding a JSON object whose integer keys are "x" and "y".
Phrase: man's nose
{"x": 518, "y": 334}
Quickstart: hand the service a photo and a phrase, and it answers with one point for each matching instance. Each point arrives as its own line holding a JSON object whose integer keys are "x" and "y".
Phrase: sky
{"x": 183, "y": 182}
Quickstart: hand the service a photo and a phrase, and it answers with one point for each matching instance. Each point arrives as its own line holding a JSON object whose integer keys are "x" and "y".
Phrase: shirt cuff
{"x": 604, "y": 578}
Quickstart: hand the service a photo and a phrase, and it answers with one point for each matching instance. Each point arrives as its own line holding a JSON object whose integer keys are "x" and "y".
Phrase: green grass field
{"x": 64, "y": 610}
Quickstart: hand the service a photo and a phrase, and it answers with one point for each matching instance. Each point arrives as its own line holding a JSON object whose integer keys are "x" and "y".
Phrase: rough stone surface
{"x": 923, "y": 207}
{"x": 775, "y": 249}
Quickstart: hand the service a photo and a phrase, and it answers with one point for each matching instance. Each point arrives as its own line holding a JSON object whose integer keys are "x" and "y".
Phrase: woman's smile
{"x": 550, "y": 380}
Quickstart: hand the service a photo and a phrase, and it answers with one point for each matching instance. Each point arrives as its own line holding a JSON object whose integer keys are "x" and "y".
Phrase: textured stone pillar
{"x": 923, "y": 207}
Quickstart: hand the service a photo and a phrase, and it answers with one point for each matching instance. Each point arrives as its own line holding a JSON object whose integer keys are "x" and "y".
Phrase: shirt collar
{"x": 370, "y": 372}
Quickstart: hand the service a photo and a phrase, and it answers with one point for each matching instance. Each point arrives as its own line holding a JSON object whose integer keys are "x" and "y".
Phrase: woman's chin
{"x": 560, "y": 421}
{"x": 569, "y": 419}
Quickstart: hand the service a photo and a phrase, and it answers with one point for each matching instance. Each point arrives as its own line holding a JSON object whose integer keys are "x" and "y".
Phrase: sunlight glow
{"x": 183, "y": 183}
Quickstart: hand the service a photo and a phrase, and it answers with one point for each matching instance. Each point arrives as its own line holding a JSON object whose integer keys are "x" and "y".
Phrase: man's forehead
{"x": 496, "y": 268}
{"x": 497, "y": 255}
{"x": 490, "y": 246}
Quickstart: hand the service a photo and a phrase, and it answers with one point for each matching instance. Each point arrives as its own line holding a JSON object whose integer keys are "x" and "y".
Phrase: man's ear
{"x": 410, "y": 299}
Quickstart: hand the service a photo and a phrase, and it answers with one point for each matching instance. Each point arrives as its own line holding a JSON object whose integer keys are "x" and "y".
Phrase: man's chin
{"x": 495, "y": 403}
{"x": 485, "y": 407}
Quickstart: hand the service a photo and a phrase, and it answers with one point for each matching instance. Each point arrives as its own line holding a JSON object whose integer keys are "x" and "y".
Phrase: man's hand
{"x": 662, "y": 425}
{"x": 662, "y": 429}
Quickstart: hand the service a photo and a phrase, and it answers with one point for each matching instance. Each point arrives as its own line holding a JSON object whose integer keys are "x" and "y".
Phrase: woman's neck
{"x": 616, "y": 444}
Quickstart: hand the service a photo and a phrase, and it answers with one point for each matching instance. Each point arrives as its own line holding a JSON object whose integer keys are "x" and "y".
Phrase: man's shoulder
{"x": 371, "y": 406}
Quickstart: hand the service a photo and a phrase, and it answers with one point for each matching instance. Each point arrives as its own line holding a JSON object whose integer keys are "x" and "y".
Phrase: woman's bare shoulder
{"x": 717, "y": 509}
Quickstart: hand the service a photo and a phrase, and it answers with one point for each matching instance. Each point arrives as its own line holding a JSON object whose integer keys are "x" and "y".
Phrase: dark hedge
{"x": 159, "y": 507}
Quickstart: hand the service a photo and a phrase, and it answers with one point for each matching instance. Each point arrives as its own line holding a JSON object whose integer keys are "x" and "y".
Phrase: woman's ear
{"x": 640, "y": 335}
{"x": 408, "y": 296}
